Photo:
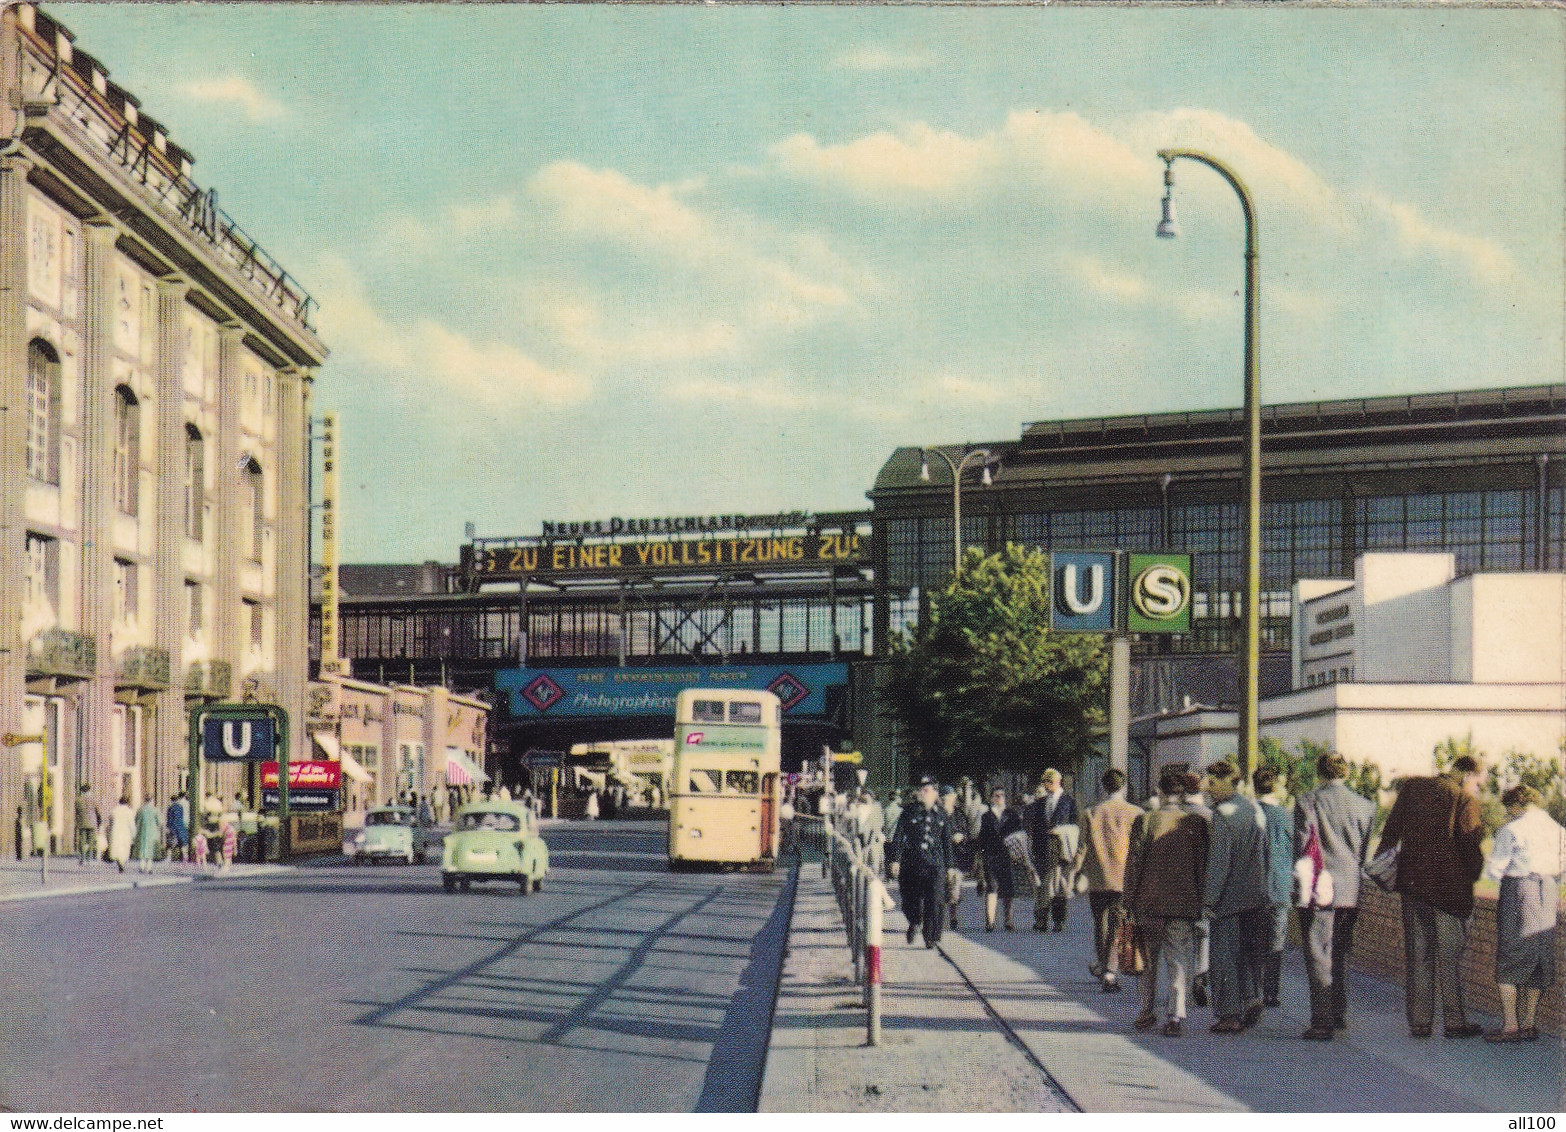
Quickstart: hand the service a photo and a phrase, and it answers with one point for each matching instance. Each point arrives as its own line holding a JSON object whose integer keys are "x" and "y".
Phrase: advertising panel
{"x": 552, "y": 692}
{"x": 1159, "y": 593}
{"x": 1082, "y": 585}
{"x": 674, "y": 555}
{"x": 312, "y": 775}
{"x": 722, "y": 736}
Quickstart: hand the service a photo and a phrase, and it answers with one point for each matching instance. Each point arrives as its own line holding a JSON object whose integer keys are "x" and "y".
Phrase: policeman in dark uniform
{"x": 924, "y": 848}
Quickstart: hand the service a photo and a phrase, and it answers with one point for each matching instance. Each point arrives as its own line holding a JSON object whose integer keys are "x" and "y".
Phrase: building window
{"x": 193, "y": 606}
{"x": 42, "y": 585}
{"x": 255, "y": 485}
{"x": 43, "y": 412}
{"x": 127, "y": 449}
{"x": 253, "y": 611}
{"x": 195, "y": 482}
{"x": 125, "y": 590}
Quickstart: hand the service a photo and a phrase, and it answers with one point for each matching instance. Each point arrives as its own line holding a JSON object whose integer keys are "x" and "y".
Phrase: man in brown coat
{"x": 1165, "y": 887}
{"x": 1436, "y": 823}
{"x": 1101, "y": 857}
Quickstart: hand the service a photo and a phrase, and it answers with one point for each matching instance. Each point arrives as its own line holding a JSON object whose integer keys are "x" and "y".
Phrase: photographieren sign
{"x": 553, "y": 692}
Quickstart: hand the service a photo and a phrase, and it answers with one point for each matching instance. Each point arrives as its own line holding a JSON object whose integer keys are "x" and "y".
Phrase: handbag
{"x": 1130, "y": 948}
{"x": 1381, "y": 870}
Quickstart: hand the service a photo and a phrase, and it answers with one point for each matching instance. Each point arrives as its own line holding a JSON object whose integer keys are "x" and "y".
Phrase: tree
{"x": 983, "y": 685}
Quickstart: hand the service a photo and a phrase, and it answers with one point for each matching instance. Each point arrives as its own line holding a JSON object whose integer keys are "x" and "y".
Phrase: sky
{"x": 576, "y": 262}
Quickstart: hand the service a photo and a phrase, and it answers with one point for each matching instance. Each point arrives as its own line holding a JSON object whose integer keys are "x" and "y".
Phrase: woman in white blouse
{"x": 1526, "y": 859}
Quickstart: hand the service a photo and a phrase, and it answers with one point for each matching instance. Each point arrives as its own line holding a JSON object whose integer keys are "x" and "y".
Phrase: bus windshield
{"x": 741, "y": 782}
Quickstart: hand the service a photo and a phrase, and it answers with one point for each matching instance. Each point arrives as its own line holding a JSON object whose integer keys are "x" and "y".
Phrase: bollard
{"x": 855, "y": 928}
{"x": 877, "y": 901}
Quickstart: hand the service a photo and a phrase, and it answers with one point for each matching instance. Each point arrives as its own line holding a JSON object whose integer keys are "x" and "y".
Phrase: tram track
{"x": 1010, "y": 1034}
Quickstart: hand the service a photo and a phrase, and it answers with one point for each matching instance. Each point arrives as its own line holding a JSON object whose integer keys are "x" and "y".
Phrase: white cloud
{"x": 1060, "y": 150}
{"x": 488, "y": 371}
{"x": 237, "y": 91}
{"x": 883, "y": 59}
{"x": 780, "y": 392}
{"x": 1487, "y": 261}
{"x": 747, "y": 278}
{"x": 455, "y": 220}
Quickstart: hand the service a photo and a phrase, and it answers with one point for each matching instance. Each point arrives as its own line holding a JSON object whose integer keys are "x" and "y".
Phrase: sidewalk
{"x": 1040, "y": 985}
{"x": 940, "y": 1050}
{"x": 20, "y": 880}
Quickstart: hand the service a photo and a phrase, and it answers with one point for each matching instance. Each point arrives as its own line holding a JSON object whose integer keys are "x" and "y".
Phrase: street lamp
{"x": 957, "y": 467}
{"x": 1250, "y": 653}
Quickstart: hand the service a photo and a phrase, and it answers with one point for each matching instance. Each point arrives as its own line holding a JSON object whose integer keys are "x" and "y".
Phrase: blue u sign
{"x": 1083, "y": 598}
{"x": 228, "y": 739}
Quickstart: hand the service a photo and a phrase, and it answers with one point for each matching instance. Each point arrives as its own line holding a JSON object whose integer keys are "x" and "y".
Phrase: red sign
{"x": 304, "y": 775}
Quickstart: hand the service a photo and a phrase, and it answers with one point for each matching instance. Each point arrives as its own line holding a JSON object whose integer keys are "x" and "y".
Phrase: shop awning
{"x": 329, "y": 746}
{"x": 461, "y": 770}
{"x": 354, "y": 769}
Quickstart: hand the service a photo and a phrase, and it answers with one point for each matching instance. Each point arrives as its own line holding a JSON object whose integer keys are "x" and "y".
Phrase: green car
{"x": 392, "y": 833}
{"x": 494, "y": 841}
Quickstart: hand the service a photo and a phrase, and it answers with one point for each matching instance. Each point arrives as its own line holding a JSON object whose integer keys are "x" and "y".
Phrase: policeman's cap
{"x": 927, "y": 781}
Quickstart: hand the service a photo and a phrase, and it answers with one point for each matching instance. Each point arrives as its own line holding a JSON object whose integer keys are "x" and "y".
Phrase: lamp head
{"x": 1168, "y": 227}
{"x": 924, "y": 469}
{"x": 987, "y": 479}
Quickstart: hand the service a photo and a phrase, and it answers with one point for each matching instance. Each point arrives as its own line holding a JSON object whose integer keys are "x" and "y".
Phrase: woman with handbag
{"x": 1526, "y": 859}
{"x": 998, "y": 882}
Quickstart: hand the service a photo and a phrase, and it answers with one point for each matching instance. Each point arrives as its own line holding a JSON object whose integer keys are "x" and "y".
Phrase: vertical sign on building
{"x": 1083, "y": 597}
{"x": 1160, "y": 593}
{"x": 331, "y": 659}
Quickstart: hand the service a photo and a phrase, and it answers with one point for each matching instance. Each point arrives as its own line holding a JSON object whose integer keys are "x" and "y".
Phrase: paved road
{"x": 619, "y": 986}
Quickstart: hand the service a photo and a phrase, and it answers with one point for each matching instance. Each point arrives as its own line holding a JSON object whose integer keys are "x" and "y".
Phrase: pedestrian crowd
{"x": 1192, "y": 894}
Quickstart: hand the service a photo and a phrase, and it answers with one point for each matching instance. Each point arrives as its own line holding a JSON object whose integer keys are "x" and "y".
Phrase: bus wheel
{"x": 465, "y": 883}
{"x": 525, "y": 883}
{"x": 448, "y": 883}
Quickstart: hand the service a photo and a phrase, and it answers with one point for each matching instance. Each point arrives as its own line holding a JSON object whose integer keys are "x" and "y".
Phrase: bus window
{"x": 705, "y": 781}
{"x": 743, "y": 712}
{"x": 742, "y": 782}
{"x": 706, "y": 711}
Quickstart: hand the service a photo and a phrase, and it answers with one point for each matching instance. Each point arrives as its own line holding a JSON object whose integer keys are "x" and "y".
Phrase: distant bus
{"x": 650, "y": 760}
{"x": 725, "y": 784}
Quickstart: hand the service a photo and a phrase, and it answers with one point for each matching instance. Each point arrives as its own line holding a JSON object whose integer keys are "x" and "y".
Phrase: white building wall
{"x": 1402, "y": 615}
{"x": 1513, "y": 629}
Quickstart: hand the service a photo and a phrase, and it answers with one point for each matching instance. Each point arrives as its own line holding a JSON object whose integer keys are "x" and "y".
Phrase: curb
{"x": 153, "y": 881}
{"x": 89, "y": 889}
{"x": 791, "y": 893}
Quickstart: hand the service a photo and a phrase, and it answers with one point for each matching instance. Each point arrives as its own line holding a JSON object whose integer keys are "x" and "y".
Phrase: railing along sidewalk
{"x": 854, "y": 866}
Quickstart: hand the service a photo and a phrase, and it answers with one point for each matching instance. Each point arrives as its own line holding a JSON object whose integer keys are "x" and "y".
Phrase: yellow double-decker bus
{"x": 725, "y": 784}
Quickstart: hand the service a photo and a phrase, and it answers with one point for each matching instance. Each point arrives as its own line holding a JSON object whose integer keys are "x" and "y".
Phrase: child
{"x": 230, "y": 843}
{"x": 198, "y": 849}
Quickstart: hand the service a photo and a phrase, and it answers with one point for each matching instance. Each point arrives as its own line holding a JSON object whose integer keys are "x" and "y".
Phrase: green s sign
{"x": 1159, "y": 593}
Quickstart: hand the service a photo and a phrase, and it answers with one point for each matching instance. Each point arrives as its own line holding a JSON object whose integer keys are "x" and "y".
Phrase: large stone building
{"x": 155, "y": 366}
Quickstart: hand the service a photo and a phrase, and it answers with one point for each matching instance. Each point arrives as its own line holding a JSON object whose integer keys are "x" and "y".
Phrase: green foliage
{"x": 1298, "y": 770}
{"x": 982, "y": 685}
{"x": 1513, "y": 767}
{"x": 1544, "y": 775}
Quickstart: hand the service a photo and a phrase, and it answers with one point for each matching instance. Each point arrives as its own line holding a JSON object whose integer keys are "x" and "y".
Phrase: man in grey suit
{"x": 1342, "y": 820}
{"x": 1236, "y": 901}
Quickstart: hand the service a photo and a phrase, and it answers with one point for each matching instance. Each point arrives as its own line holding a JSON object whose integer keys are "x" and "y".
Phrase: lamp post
{"x": 957, "y": 467}
{"x": 1250, "y": 651}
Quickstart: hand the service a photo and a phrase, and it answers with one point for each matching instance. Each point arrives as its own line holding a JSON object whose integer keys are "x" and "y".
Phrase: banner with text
{"x": 552, "y": 692}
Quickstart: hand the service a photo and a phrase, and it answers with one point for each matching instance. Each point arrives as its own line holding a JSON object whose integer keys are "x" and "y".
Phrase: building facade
{"x": 1478, "y": 475}
{"x": 392, "y": 740}
{"x": 155, "y": 366}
